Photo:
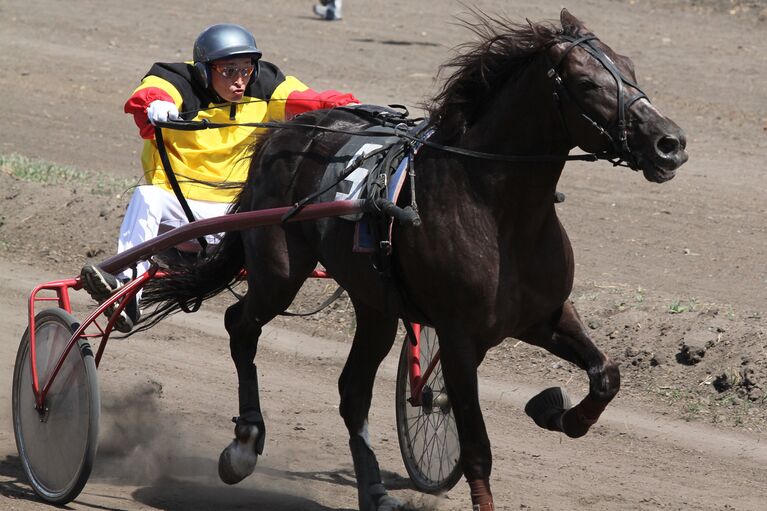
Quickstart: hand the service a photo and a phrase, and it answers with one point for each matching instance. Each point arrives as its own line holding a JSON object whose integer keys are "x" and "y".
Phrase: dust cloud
{"x": 140, "y": 443}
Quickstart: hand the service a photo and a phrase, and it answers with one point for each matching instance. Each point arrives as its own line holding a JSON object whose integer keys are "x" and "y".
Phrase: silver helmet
{"x": 222, "y": 41}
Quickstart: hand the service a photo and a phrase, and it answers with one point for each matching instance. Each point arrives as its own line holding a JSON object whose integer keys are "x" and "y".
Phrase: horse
{"x": 490, "y": 259}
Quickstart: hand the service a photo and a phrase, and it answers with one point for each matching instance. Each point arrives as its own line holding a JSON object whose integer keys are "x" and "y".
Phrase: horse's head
{"x": 604, "y": 108}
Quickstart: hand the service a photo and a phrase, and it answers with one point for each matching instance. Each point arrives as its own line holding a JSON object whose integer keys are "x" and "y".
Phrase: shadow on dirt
{"x": 342, "y": 477}
{"x": 187, "y": 490}
{"x": 175, "y": 495}
{"x": 14, "y": 484}
{"x": 393, "y": 42}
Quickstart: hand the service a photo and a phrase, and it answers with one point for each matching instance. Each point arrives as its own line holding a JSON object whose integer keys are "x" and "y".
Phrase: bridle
{"x": 616, "y": 132}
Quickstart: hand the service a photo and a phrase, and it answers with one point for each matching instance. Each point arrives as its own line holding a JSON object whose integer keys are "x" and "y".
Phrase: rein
{"x": 399, "y": 130}
{"x": 621, "y": 154}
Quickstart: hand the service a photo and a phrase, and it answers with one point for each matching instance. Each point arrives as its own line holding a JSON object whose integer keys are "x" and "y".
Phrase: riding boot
{"x": 250, "y": 409}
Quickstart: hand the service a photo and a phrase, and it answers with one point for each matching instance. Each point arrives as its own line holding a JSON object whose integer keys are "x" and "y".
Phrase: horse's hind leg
{"x": 460, "y": 357}
{"x": 372, "y": 341}
{"x": 275, "y": 276}
{"x": 567, "y": 338}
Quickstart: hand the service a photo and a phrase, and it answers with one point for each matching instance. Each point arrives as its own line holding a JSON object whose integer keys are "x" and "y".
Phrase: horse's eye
{"x": 588, "y": 85}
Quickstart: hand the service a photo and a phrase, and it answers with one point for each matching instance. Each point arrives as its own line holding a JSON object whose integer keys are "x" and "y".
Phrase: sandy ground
{"x": 659, "y": 267}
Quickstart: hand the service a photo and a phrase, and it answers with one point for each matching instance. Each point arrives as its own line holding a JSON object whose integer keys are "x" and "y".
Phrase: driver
{"x": 226, "y": 83}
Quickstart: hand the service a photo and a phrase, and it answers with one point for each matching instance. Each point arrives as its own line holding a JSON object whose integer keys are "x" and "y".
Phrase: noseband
{"x": 616, "y": 134}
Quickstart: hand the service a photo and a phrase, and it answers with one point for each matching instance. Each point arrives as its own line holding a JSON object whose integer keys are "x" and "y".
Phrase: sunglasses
{"x": 234, "y": 71}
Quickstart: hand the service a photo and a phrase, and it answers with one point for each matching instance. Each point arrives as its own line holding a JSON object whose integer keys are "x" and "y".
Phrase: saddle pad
{"x": 354, "y": 185}
{"x": 364, "y": 240}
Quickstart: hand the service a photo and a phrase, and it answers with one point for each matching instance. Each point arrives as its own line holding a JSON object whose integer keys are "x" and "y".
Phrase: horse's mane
{"x": 503, "y": 49}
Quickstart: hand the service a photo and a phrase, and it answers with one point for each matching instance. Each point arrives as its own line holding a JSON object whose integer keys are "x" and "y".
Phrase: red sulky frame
{"x": 233, "y": 222}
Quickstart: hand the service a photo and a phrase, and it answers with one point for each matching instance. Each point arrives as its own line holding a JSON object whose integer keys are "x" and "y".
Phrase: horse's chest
{"x": 533, "y": 285}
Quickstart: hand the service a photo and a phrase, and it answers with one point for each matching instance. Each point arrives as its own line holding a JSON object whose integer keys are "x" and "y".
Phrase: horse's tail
{"x": 187, "y": 285}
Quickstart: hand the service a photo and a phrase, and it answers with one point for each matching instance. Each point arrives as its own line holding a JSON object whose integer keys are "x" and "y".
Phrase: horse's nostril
{"x": 668, "y": 144}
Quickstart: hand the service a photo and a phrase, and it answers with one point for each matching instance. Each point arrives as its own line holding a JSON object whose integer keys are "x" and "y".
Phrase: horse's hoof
{"x": 547, "y": 408}
{"x": 239, "y": 458}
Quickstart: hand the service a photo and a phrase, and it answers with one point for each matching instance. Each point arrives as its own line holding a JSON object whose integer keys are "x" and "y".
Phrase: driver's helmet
{"x": 221, "y": 41}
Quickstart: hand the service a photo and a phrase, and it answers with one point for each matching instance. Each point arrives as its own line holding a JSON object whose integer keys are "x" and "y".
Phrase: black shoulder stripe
{"x": 269, "y": 78}
{"x": 179, "y": 75}
{"x": 195, "y": 98}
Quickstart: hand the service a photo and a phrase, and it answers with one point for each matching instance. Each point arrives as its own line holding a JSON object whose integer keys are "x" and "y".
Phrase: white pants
{"x": 150, "y": 208}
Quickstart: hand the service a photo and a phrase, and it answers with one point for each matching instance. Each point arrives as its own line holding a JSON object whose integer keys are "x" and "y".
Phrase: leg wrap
{"x": 369, "y": 485}
{"x": 250, "y": 405}
{"x": 250, "y": 410}
{"x": 481, "y": 498}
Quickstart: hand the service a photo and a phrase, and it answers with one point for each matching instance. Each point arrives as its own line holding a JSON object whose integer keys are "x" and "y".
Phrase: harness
{"x": 374, "y": 166}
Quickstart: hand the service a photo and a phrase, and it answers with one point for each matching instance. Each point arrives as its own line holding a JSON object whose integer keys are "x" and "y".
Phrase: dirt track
{"x": 658, "y": 267}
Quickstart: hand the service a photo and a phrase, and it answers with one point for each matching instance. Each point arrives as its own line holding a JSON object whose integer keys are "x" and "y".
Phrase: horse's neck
{"x": 522, "y": 119}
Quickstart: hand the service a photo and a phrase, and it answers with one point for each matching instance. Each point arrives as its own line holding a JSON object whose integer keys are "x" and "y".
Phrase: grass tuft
{"x": 678, "y": 306}
{"x": 41, "y": 171}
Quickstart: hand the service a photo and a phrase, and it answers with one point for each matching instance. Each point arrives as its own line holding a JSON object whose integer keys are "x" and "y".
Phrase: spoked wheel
{"x": 56, "y": 447}
{"x": 428, "y": 437}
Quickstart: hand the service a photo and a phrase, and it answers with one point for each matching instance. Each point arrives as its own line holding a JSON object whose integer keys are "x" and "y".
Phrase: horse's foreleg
{"x": 275, "y": 276}
{"x": 239, "y": 458}
{"x": 569, "y": 340}
{"x": 372, "y": 341}
{"x": 460, "y": 359}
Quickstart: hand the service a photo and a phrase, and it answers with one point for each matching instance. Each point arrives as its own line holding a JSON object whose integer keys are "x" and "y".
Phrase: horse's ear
{"x": 570, "y": 24}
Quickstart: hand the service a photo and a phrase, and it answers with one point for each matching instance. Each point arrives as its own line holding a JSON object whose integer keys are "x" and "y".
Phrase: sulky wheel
{"x": 56, "y": 447}
{"x": 428, "y": 438}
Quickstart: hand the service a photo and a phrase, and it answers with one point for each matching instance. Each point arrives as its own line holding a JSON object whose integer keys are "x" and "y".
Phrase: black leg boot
{"x": 370, "y": 489}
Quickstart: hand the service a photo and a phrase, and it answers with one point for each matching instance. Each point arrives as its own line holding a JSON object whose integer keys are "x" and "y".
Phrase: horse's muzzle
{"x": 667, "y": 155}
{"x": 670, "y": 150}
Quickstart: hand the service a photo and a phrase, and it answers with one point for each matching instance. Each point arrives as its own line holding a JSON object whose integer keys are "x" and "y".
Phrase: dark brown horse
{"x": 490, "y": 259}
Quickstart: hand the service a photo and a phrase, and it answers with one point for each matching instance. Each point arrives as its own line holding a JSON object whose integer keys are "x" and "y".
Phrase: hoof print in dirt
{"x": 690, "y": 355}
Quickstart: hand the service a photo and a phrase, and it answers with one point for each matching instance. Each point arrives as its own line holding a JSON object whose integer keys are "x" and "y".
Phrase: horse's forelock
{"x": 502, "y": 48}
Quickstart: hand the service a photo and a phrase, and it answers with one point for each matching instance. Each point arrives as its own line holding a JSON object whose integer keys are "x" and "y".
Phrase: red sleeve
{"x": 303, "y": 101}
{"x": 137, "y": 105}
